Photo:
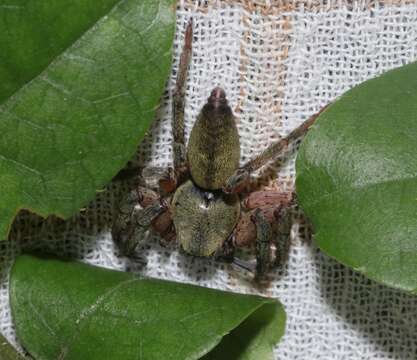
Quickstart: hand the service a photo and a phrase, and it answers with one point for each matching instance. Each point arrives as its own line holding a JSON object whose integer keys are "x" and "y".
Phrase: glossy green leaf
{"x": 76, "y": 311}
{"x": 357, "y": 178}
{"x": 79, "y": 85}
{"x": 7, "y": 352}
{"x": 35, "y": 33}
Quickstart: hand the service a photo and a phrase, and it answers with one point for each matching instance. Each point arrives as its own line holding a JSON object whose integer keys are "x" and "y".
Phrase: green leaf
{"x": 357, "y": 178}
{"x": 76, "y": 311}
{"x": 79, "y": 85}
{"x": 7, "y": 352}
{"x": 254, "y": 338}
{"x": 36, "y": 33}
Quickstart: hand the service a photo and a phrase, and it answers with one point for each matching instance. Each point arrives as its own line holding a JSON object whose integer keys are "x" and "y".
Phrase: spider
{"x": 199, "y": 199}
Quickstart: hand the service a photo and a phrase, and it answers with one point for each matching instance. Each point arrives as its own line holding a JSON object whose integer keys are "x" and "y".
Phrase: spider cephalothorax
{"x": 198, "y": 202}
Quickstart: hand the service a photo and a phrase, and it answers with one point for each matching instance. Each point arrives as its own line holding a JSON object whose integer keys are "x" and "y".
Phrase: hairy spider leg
{"x": 240, "y": 179}
{"x": 283, "y": 235}
{"x": 124, "y": 225}
{"x": 178, "y": 105}
{"x": 264, "y": 236}
{"x": 266, "y": 220}
{"x": 281, "y": 215}
{"x": 142, "y": 207}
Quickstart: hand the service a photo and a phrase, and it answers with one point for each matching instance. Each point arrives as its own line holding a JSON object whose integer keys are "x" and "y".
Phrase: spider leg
{"x": 144, "y": 217}
{"x": 276, "y": 207}
{"x": 269, "y": 201}
{"x": 164, "y": 226}
{"x": 130, "y": 216}
{"x": 264, "y": 236}
{"x": 241, "y": 178}
{"x": 159, "y": 218}
{"x": 283, "y": 238}
{"x": 168, "y": 181}
{"x": 124, "y": 229}
{"x": 255, "y": 227}
{"x": 266, "y": 221}
{"x": 264, "y": 198}
{"x": 179, "y": 149}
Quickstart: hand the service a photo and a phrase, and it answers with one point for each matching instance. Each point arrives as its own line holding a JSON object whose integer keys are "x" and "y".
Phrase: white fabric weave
{"x": 279, "y": 62}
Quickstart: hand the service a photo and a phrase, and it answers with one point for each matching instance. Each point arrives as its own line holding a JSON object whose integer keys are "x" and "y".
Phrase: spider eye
{"x": 218, "y": 93}
{"x": 217, "y": 97}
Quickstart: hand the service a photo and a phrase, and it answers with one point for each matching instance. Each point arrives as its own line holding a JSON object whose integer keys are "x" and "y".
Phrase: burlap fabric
{"x": 279, "y": 62}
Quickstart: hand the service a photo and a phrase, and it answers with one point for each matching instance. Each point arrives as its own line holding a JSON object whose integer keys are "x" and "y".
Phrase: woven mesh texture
{"x": 279, "y": 62}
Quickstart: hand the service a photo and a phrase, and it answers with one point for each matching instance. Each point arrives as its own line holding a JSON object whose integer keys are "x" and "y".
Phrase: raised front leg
{"x": 179, "y": 149}
{"x": 240, "y": 179}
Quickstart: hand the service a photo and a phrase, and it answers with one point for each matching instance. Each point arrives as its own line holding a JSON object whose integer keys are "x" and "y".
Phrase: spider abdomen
{"x": 213, "y": 148}
{"x": 203, "y": 220}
